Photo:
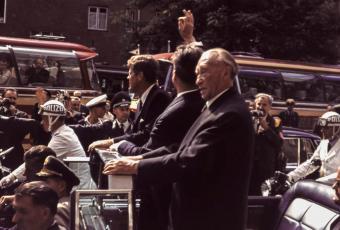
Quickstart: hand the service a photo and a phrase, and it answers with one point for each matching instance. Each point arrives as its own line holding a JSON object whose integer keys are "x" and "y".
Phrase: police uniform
{"x": 53, "y": 167}
{"x": 330, "y": 160}
{"x": 95, "y": 102}
{"x": 108, "y": 129}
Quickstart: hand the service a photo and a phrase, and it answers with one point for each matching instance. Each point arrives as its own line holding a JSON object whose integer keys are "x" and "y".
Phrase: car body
{"x": 298, "y": 146}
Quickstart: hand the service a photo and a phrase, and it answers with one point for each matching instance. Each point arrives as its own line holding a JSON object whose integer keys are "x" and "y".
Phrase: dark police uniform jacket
{"x": 90, "y": 133}
{"x": 155, "y": 103}
{"x": 12, "y": 133}
{"x": 171, "y": 126}
{"x": 210, "y": 170}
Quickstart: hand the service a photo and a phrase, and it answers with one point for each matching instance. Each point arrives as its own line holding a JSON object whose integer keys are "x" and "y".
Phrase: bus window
{"x": 303, "y": 87}
{"x": 7, "y": 72}
{"x": 48, "y": 68}
{"x": 332, "y": 88}
{"x": 254, "y": 81}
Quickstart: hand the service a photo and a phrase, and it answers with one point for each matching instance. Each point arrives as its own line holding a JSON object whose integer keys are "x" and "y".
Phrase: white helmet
{"x": 329, "y": 119}
{"x": 53, "y": 109}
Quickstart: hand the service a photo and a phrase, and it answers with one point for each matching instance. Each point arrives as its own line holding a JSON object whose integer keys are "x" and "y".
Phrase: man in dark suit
{"x": 171, "y": 126}
{"x": 210, "y": 171}
{"x": 168, "y": 131}
{"x": 152, "y": 101}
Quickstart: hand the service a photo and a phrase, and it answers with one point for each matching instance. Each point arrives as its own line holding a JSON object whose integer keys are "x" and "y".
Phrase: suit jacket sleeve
{"x": 159, "y": 102}
{"x": 192, "y": 160}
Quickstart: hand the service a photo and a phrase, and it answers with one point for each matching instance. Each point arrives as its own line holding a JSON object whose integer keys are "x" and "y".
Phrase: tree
{"x": 305, "y": 30}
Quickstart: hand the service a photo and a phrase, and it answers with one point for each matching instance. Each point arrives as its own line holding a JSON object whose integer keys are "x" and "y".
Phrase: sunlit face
{"x": 39, "y": 63}
{"x": 121, "y": 113}
{"x": 99, "y": 111}
{"x": 133, "y": 81}
{"x": 262, "y": 103}
{"x": 3, "y": 64}
{"x": 29, "y": 216}
{"x": 212, "y": 77}
{"x": 75, "y": 105}
{"x": 11, "y": 96}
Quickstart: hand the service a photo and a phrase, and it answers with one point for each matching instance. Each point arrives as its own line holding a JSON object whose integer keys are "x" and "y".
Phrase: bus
{"x": 69, "y": 66}
{"x": 312, "y": 86}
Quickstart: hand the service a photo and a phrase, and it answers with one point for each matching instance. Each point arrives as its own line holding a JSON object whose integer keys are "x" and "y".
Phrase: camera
{"x": 276, "y": 185}
{"x": 257, "y": 113}
{"x": 5, "y": 107}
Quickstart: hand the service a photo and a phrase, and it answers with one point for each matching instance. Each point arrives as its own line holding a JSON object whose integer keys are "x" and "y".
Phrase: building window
{"x": 3, "y": 11}
{"x": 97, "y": 18}
{"x": 133, "y": 15}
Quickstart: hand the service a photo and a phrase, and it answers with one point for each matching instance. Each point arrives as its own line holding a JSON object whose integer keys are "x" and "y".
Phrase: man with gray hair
{"x": 268, "y": 143}
{"x": 210, "y": 170}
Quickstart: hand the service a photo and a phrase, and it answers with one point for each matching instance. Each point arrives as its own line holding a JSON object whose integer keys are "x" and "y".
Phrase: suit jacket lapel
{"x": 203, "y": 118}
{"x": 146, "y": 104}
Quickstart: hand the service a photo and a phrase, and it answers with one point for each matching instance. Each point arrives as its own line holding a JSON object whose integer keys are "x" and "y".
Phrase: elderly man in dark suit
{"x": 210, "y": 171}
{"x": 142, "y": 82}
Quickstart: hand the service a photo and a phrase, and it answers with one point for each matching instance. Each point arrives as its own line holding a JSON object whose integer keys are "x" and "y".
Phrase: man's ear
{"x": 45, "y": 212}
{"x": 140, "y": 75}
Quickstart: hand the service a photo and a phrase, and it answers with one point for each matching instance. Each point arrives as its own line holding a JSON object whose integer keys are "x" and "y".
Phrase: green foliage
{"x": 306, "y": 30}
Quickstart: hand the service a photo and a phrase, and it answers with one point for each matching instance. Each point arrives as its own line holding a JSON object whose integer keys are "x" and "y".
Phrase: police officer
{"x": 61, "y": 179}
{"x": 64, "y": 141}
{"x": 121, "y": 110}
{"x": 327, "y": 154}
{"x": 97, "y": 110}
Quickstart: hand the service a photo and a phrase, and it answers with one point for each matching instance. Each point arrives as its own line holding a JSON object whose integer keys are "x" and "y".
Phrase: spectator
{"x": 268, "y": 143}
{"x": 9, "y": 98}
{"x": 289, "y": 117}
{"x": 75, "y": 102}
{"x": 43, "y": 95}
{"x": 35, "y": 205}
{"x": 61, "y": 179}
{"x": 108, "y": 115}
{"x": 83, "y": 109}
{"x": 37, "y": 73}
{"x": 34, "y": 160}
{"x": 7, "y": 75}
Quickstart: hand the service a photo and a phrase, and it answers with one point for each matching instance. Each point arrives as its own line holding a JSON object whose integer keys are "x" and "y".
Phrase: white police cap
{"x": 97, "y": 101}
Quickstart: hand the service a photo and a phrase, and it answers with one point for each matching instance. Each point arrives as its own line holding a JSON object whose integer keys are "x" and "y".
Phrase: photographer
{"x": 8, "y": 104}
{"x": 268, "y": 142}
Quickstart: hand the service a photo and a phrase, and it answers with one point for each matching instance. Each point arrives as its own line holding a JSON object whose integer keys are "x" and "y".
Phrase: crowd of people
{"x": 194, "y": 158}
